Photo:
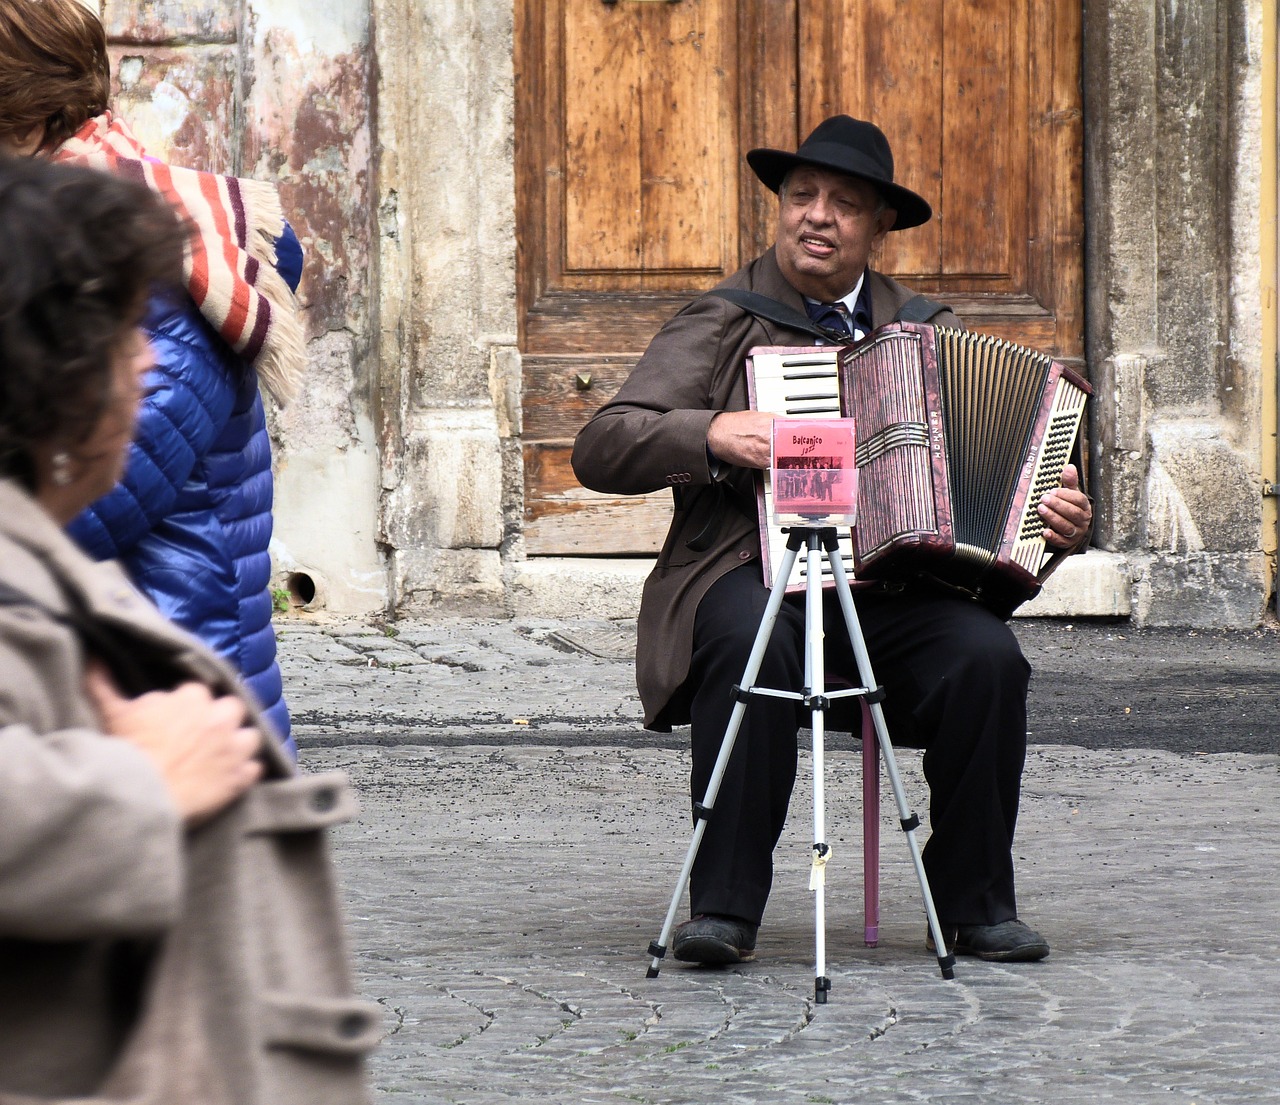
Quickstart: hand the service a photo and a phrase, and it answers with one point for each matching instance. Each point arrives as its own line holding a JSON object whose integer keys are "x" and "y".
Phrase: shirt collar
{"x": 850, "y": 301}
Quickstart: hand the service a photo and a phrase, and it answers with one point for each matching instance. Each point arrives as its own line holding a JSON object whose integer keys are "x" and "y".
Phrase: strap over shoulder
{"x": 919, "y": 308}
{"x": 137, "y": 665}
{"x": 774, "y": 310}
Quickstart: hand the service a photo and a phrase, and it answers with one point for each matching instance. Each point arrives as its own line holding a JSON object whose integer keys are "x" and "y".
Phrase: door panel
{"x": 632, "y": 119}
{"x": 630, "y": 122}
{"x": 981, "y": 102}
{"x": 640, "y": 188}
{"x": 893, "y": 74}
{"x": 648, "y": 188}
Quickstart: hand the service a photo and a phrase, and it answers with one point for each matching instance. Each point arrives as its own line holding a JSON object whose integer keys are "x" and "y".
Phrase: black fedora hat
{"x": 846, "y": 145}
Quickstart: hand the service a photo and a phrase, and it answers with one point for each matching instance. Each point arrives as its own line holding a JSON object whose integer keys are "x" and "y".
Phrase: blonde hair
{"x": 54, "y": 69}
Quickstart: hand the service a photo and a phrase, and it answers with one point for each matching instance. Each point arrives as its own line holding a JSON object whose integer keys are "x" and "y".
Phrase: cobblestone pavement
{"x": 520, "y": 838}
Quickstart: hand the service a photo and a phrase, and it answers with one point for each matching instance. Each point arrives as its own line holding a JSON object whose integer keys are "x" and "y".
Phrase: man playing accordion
{"x": 954, "y": 676}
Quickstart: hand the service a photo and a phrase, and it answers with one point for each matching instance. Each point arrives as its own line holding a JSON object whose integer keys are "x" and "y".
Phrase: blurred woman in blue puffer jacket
{"x": 191, "y": 519}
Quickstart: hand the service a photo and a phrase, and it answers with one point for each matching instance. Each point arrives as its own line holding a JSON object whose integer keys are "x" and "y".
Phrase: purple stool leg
{"x": 870, "y": 830}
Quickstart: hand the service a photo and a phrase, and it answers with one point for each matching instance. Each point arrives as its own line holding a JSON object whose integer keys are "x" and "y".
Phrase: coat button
{"x": 744, "y": 556}
{"x": 352, "y": 1025}
{"x": 322, "y": 801}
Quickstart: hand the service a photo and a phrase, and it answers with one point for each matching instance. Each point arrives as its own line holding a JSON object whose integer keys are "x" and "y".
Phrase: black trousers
{"x": 956, "y": 685}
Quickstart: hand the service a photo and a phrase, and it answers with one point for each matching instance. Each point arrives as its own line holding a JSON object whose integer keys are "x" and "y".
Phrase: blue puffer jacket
{"x": 191, "y": 519}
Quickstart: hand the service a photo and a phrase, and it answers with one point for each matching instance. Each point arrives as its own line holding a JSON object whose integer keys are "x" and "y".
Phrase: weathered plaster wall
{"x": 1245, "y": 376}
{"x": 447, "y": 297}
{"x": 1171, "y": 91}
{"x": 309, "y": 125}
{"x": 282, "y": 90}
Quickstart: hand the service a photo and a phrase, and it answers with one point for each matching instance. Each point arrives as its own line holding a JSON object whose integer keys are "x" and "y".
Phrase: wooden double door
{"x": 632, "y": 121}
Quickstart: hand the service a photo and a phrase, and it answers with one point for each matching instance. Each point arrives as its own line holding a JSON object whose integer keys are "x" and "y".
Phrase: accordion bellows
{"x": 959, "y": 435}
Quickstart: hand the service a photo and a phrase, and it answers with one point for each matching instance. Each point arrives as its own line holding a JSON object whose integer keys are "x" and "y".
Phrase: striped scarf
{"x": 229, "y": 265}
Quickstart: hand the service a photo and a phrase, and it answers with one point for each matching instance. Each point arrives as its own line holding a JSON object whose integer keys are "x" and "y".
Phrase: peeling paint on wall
{"x": 157, "y": 22}
{"x": 179, "y": 101}
{"x": 312, "y": 136}
{"x": 280, "y": 90}
{"x": 292, "y": 105}
{"x": 320, "y": 29}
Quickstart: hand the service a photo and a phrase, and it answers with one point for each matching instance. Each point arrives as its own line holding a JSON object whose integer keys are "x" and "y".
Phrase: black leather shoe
{"x": 712, "y": 939}
{"x": 1007, "y": 942}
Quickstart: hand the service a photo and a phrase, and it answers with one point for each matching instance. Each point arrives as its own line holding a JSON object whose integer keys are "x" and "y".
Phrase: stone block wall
{"x": 1171, "y": 101}
{"x": 447, "y": 300}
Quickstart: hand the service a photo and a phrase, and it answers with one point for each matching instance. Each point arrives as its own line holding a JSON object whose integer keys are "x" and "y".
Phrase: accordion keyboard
{"x": 1055, "y": 452}
{"x": 795, "y": 383}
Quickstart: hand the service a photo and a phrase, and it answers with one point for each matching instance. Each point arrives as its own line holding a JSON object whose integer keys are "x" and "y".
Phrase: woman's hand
{"x": 203, "y": 750}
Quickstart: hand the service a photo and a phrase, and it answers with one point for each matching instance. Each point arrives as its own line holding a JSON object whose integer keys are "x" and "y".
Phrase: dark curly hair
{"x": 82, "y": 252}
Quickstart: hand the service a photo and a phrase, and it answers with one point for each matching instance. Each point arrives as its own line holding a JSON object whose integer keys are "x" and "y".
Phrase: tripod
{"x": 818, "y": 700}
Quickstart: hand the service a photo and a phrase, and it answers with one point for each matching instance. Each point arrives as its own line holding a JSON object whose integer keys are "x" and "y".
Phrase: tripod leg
{"x": 908, "y": 820}
{"x": 870, "y": 831}
{"x": 703, "y": 809}
{"x": 815, "y": 688}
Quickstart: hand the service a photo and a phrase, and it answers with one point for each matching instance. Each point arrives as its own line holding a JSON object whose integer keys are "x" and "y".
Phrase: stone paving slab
{"x": 502, "y": 899}
{"x": 455, "y": 676}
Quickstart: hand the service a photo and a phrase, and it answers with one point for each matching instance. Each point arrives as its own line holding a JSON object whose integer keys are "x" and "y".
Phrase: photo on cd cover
{"x": 813, "y": 474}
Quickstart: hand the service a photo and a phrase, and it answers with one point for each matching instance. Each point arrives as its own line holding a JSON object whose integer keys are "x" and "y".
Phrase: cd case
{"x": 813, "y": 476}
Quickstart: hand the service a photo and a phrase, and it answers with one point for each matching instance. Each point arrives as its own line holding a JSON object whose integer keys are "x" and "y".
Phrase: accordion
{"x": 959, "y": 435}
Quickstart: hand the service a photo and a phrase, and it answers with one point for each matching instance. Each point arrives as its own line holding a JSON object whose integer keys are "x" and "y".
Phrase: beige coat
{"x": 248, "y": 998}
{"x": 653, "y": 434}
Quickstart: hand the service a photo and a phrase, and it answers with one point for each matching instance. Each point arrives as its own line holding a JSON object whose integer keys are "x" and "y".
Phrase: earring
{"x": 61, "y": 474}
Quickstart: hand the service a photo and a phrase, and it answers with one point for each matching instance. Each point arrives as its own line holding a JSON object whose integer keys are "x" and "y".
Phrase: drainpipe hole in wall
{"x": 302, "y": 590}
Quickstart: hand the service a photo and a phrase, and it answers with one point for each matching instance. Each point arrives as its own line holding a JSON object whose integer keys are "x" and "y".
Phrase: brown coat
{"x": 653, "y": 434}
{"x": 248, "y": 997}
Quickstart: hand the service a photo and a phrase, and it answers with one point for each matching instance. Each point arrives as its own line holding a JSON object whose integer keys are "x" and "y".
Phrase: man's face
{"x": 827, "y": 227}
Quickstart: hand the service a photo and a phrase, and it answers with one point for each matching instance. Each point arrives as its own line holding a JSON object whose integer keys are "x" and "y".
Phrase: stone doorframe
{"x": 448, "y": 402}
{"x": 1172, "y": 148}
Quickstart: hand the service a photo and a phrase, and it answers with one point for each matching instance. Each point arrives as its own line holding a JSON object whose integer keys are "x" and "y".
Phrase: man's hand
{"x": 743, "y": 438}
{"x": 203, "y": 750}
{"x": 1066, "y": 512}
